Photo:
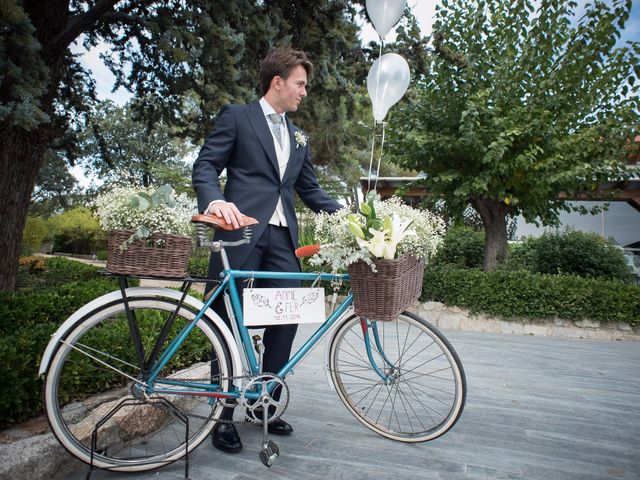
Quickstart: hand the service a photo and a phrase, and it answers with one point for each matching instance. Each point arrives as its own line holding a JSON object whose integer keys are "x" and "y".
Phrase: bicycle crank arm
{"x": 270, "y": 450}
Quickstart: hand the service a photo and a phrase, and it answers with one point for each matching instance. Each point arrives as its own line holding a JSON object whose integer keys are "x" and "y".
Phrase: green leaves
{"x": 163, "y": 195}
{"x": 145, "y": 202}
{"x": 368, "y": 210}
{"x": 543, "y": 105}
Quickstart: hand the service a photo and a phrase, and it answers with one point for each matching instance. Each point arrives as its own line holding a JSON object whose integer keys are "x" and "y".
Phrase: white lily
{"x": 397, "y": 230}
{"x": 377, "y": 244}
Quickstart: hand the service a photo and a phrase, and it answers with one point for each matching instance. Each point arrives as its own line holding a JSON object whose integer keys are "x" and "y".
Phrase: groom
{"x": 266, "y": 158}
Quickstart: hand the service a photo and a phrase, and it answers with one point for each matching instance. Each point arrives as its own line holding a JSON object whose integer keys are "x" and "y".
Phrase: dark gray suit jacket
{"x": 242, "y": 143}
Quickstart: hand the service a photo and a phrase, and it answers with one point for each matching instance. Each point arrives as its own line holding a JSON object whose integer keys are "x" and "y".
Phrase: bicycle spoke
{"x": 105, "y": 354}
{"x": 103, "y": 363}
{"x": 419, "y": 394}
{"x": 94, "y": 371}
{"x": 430, "y": 374}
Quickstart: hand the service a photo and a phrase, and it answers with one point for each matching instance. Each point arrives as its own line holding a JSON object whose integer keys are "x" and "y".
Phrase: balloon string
{"x": 375, "y": 186}
{"x": 373, "y": 144}
{"x": 373, "y": 141}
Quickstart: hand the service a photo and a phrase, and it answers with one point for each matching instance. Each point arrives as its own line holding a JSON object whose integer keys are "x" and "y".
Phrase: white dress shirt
{"x": 282, "y": 154}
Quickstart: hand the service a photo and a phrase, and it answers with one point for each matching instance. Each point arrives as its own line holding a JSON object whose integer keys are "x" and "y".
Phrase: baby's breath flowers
{"x": 148, "y": 211}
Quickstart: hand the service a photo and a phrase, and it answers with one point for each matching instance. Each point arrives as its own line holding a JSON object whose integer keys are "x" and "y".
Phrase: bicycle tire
{"x": 145, "y": 435}
{"x": 427, "y": 394}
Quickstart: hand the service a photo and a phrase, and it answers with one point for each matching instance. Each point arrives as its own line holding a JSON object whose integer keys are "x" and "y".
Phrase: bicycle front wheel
{"x": 95, "y": 373}
{"x": 418, "y": 391}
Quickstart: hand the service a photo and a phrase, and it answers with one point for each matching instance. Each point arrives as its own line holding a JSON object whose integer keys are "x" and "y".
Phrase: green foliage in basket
{"x": 381, "y": 229}
{"x": 145, "y": 210}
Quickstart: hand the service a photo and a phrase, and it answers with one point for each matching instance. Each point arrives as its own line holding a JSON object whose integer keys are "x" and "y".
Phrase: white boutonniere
{"x": 301, "y": 139}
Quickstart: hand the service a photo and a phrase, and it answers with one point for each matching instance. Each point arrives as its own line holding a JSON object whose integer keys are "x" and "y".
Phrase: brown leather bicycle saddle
{"x": 217, "y": 222}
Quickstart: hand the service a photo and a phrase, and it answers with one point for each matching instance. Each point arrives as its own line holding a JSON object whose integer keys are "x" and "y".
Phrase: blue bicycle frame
{"x": 228, "y": 284}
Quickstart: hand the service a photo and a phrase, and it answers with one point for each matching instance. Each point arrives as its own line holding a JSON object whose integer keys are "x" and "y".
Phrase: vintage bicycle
{"x": 172, "y": 363}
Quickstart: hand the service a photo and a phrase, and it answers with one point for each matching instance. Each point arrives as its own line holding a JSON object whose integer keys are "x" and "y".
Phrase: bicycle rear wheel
{"x": 425, "y": 388}
{"x": 96, "y": 366}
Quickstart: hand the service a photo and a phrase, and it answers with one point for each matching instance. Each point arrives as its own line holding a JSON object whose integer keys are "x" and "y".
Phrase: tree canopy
{"x": 520, "y": 103}
{"x": 181, "y": 59}
{"x": 118, "y": 146}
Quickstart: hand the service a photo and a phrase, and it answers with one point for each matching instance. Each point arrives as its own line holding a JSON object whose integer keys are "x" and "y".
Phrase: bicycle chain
{"x": 246, "y": 419}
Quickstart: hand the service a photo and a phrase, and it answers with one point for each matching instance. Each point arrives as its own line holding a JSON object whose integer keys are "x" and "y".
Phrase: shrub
{"x": 573, "y": 253}
{"x": 463, "y": 247}
{"x": 199, "y": 262}
{"x": 77, "y": 231}
{"x": 30, "y": 316}
{"x": 40, "y": 272}
{"x": 35, "y": 231}
{"x": 33, "y": 264}
{"x": 517, "y": 294}
{"x": 27, "y": 321}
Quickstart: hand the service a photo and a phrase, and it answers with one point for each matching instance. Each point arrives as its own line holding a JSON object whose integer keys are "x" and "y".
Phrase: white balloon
{"x": 387, "y": 82}
{"x": 384, "y": 14}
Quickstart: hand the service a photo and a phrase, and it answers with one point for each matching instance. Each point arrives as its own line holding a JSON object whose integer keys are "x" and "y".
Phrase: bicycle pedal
{"x": 269, "y": 453}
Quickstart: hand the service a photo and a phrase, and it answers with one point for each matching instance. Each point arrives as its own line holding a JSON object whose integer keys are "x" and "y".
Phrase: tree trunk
{"x": 492, "y": 213}
{"x": 21, "y": 155}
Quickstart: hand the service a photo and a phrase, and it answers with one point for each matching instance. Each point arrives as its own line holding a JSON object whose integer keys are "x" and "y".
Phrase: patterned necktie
{"x": 276, "y": 121}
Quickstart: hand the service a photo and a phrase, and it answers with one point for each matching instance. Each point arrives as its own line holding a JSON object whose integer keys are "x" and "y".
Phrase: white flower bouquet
{"x": 383, "y": 229}
{"x": 145, "y": 210}
{"x": 383, "y": 247}
{"x": 148, "y": 230}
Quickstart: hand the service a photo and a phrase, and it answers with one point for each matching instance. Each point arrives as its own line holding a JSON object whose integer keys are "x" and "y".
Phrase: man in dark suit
{"x": 266, "y": 158}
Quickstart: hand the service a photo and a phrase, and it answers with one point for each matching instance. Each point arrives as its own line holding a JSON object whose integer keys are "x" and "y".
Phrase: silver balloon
{"x": 387, "y": 82}
{"x": 384, "y": 14}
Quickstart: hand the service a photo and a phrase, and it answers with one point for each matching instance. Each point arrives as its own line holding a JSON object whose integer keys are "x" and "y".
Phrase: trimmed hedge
{"x": 199, "y": 263}
{"x": 517, "y": 294}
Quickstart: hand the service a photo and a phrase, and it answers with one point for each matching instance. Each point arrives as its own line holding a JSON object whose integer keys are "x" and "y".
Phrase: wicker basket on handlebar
{"x": 160, "y": 255}
{"x": 384, "y": 294}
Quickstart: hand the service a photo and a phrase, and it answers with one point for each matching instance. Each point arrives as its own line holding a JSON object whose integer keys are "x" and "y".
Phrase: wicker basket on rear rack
{"x": 384, "y": 294}
{"x": 160, "y": 255}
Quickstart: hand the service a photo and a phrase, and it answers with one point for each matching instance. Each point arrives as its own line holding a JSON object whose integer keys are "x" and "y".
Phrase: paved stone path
{"x": 537, "y": 408}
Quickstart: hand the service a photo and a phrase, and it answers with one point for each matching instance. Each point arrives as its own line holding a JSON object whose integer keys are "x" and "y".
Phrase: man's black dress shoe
{"x": 225, "y": 437}
{"x": 279, "y": 427}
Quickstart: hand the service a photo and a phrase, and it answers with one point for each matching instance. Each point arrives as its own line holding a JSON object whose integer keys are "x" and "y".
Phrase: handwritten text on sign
{"x": 278, "y": 306}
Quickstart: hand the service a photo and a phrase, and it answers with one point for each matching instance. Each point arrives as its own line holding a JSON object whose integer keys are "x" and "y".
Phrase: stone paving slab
{"x": 537, "y": 408}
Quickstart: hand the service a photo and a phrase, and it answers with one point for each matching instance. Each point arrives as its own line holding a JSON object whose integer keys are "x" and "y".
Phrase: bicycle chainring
{"x": 254, "y": 408}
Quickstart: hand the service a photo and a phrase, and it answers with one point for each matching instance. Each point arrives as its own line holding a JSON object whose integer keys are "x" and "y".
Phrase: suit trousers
{"x": 272, "y": 252}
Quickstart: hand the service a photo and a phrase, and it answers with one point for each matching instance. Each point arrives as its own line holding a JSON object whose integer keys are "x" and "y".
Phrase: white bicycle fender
{"x": 330, "y": 334}
{"x": 138, "y": 292}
